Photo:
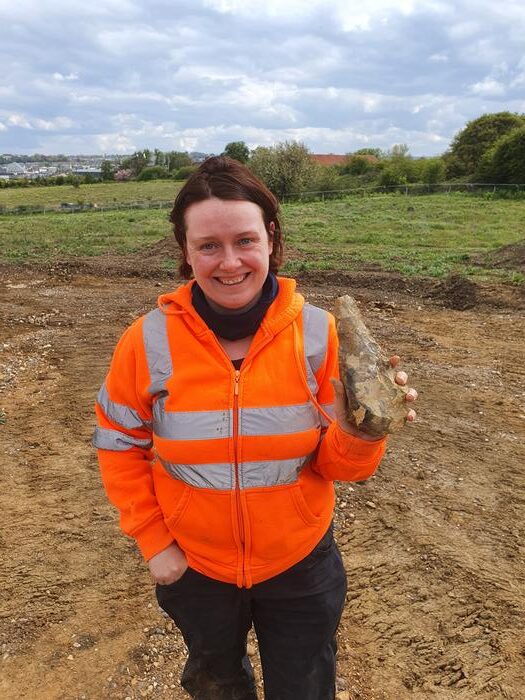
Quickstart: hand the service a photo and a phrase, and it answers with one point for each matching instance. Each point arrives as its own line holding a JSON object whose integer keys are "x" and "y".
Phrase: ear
{"x": 271, "y": 231}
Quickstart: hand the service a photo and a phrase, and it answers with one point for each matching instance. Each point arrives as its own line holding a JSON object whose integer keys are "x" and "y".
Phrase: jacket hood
{"x": 284, "y": 309}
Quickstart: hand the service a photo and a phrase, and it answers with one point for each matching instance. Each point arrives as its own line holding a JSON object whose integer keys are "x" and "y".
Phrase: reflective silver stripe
{"x": 315, "y": 325}
{"x": 155, "y": 336}
{"x": 119, "y": 413}
{"x": 252, "y": 474}
{"x": 276, "y": 472}
{"x": 278, "y": 420}
{"x": 330, "y": 409}
{"x": 202, "y": 476}
{"x": 106, "y": 439}
{"x": 191, "y": 425}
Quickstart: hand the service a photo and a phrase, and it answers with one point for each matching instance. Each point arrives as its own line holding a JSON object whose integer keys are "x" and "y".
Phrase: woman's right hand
{"x": 169, "y": 565}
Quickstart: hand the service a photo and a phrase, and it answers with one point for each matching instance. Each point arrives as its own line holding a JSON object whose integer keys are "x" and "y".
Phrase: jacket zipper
{"x": 237, "y": 480}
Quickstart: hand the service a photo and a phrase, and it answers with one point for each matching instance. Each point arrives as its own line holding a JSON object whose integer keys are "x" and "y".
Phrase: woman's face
{"x": 229, "y": 250}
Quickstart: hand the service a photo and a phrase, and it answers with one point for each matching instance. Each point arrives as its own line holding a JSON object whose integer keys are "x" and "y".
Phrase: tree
{"x": 432, "y": 171}
{"x": 184, "y": 172}
{"x": 376, "y": 152}
{"x": 137, "y": 162}
{"x": 399, "y": 168}
{"x": 153, "y": 172}
{"x": 325, "y": 179}
{"x": 399, "y": 150}
{"x": 108, "y": 172}
{"x": 177, "y": 159}
{"x": 505, "y": 161}
{"x": 285, "y": 168}
{"x": 158, "y": 157}
{"x": 123, "y": 175}
{"x": 357, "y": 165}
{"x": 470, "y": 144}
{"x": 237, "y": 150}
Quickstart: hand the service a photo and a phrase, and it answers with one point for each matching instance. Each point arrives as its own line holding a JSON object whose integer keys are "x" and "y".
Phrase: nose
{"x": 230, "y": 258}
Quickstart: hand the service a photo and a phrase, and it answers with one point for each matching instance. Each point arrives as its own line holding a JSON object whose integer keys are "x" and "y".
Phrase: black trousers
{"x": 295, "y": 616}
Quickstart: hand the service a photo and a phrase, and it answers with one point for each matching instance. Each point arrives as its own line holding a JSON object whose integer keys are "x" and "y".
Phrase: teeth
{"x": 232, "y": 280}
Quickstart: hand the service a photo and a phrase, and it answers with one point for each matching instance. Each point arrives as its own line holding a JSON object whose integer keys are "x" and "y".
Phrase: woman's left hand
{"x": 340, "y": 402}
{"x": 401, "y": 378}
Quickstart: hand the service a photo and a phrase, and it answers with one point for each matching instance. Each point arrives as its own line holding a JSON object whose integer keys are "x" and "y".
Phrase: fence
{"x": 307, "y": 196}
{"x": 72, "y": 208}
{"x": 407, "y": 190}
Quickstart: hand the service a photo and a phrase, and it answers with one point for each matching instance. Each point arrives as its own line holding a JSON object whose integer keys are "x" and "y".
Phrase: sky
{"x": 115, "y": 76}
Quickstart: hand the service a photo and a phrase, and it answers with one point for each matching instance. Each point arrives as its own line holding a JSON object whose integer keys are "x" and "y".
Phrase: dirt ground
{"x": 433, "y": 544}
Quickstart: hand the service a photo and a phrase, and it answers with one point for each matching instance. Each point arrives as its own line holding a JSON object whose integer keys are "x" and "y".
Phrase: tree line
{"x": 489, "y": 149}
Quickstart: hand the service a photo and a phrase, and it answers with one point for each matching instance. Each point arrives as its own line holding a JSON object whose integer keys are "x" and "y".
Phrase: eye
{"x": 209, "y": 246}
{"x": 245, "y": 241}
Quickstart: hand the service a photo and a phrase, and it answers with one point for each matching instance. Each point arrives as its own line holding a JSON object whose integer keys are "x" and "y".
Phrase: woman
{"x": 216, "y": 445}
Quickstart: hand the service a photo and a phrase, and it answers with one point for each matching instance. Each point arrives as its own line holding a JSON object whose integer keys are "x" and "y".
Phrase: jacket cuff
{"x": 153, "y": 538}
{"x": 353, "y": 446}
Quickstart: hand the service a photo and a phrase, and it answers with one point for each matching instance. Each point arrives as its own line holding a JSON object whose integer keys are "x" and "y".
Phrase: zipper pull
{"x": 236, "y": 387}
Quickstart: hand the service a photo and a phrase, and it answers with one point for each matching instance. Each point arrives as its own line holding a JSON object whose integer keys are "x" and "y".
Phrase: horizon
{"x": 120, "y": 76}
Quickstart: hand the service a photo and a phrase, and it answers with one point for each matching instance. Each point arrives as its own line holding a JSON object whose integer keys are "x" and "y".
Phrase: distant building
{"x": 96, "y": 173}
{"x": 328, "y": 159}
{"x": 198, "y": 157}
{"x": 333, "y": 159}
{"x": 14, "y": 169}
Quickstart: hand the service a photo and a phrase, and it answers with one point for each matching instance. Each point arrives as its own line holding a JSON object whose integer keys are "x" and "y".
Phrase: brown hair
{"x": 225, "y": 178}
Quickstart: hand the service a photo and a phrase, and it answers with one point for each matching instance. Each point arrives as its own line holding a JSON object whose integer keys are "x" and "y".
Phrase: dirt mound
{"x": 509, "y": 256}
{"x": 456, "y": 292}
{"x": 163, "y": 249}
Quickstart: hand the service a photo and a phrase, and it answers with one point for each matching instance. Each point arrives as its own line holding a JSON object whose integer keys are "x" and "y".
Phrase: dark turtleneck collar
{"x": 234, "y": 326}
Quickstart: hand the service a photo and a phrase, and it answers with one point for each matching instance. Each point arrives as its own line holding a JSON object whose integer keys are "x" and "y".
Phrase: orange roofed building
{"x": 328, "y": 159}
{"x": 333, "y": 159}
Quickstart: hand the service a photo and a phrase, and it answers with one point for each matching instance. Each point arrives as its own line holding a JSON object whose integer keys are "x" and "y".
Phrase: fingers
{"x": 411, "y": 395}
{"x": 394, "y": 360}
{"x": 338, "y": 386}
{"x": 401, "y": 378}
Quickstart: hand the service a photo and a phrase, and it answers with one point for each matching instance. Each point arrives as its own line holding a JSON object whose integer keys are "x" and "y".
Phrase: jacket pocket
{"x": 302, "y": 507}
{"x": 175, "y": 516}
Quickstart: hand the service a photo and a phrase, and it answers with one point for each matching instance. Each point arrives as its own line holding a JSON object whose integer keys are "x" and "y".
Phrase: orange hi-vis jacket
{"x": 237, "y": 467}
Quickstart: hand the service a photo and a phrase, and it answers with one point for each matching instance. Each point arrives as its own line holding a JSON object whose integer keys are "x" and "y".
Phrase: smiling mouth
{"x": 232, "y": 281}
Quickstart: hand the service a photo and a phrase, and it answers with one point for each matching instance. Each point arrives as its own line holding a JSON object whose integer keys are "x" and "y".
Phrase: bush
{"x": 285, "y": 169}
{"x": 476, "y": 138}
{"x": 357, "y": 165}
{"x": 184, "y": 172}
{"x": 432, "y": 171}
{"x": 153, "y": 172}
{"x": 325, "y": 179}
{"x": 505, "y": 161}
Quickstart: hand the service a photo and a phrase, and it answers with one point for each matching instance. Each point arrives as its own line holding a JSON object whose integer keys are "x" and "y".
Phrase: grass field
{"x": 98, "y": 193}
{"x": 425, "y": 235}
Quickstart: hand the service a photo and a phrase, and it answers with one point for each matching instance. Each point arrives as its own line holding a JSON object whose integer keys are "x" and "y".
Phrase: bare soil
{"x": 433, "y": 544}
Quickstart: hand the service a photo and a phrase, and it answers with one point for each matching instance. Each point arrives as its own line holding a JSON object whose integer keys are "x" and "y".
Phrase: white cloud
{"x": 439, "y": 57}
{"x": 488, "y": 87}
{"x": 124, "y": 74}
{"x": 69, "y": 76}
{"x": 19, "y": 120}
{"x": 133, "y": 41}
{"x": 56, "y": 124}
{"x": 114, "y": 143}
{"x": 23, "y": 122}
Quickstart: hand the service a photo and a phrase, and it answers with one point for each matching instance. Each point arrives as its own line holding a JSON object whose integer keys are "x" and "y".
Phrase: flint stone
{"x": 376, "y": 404}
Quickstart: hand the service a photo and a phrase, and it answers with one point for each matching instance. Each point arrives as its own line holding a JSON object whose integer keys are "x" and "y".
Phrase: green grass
{"x": 42, "y": 237}
{"x": 97, "y": 193}
{"x": 426, "y": 235}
